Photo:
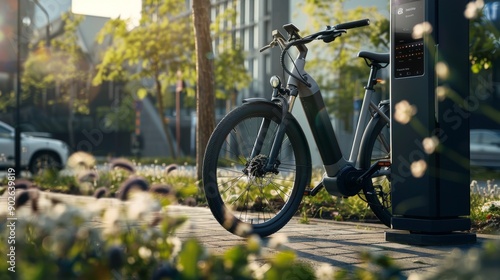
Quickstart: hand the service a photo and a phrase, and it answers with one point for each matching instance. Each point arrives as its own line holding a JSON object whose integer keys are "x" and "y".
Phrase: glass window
{"x": 241, "y": 11}
{"x": 255, "y": 69}
{"x": 248, "y": 11}
{"x": 256, "y": 41}
{"x": 491, "y": 138}
{"x": 247, "y": 65}
{"x": 267, "y": 64}
{"x": 267, "y": 31}
{"x": 256, "y": 11}
{"x": 474, "y": 137}
{"x": 247, "y": 40}
{"x": 214, "y": 12}
{"x": 237, "y": 37}
{"x": 268, "y": 6}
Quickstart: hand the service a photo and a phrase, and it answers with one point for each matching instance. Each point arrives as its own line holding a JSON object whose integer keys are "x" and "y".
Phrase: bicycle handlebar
{"x": 328, "y": 35}
{"x": 353, "y": 24}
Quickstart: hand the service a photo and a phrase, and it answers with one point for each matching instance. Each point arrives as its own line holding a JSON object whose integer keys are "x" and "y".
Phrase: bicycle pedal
{"x": 314, "y": 191}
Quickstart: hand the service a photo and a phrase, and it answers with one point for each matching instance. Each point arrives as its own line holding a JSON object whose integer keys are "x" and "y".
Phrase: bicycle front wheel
{"x": 242, "y": 195}
{"x": 376, "y": 148}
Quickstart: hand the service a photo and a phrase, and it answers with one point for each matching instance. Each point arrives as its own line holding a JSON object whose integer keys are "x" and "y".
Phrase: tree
{"x": 335, "y": 65}
{"x": 205, "y": 79}
{"x": 229, "y": 65}
{"x": 155, "y": 50}
{"x": 163, "y": 45}
{"x": 484, "y": 38}
{"x": 61, "y": 67}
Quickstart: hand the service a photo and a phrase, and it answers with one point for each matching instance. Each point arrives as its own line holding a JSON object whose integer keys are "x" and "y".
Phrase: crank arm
{"x": 374, "y": 168}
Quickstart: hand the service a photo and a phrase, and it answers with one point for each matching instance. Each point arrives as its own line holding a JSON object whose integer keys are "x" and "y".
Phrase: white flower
{"x": 404, "y": 111}
{"x": 278, "y": 241}
{"x": 473, "y": 8}
{"x": 415, "y": 276}
{"x": 254, "y": 243}
{"x": 488, "y": 205}
{"x": 421, "y": 29}
{"x": 325, "y": 272}
{"x": 257, "y": 270}
{"x": 144, "y": 253}
{"x": 243, "y": 229}
{"x": 176, "y": 245}
{"x": 441, "y": 92}
{"x": 430, "y": 144}
{"x": 141, "y": 204}
{"x": 81, "y": 161}
{"x": 418, "y": 168}
{"x": 442, "y": 70}
{"x": 111, "y": 221}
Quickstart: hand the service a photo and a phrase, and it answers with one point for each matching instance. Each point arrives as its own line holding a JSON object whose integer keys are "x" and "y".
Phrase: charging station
{"x": 429, "y": 122}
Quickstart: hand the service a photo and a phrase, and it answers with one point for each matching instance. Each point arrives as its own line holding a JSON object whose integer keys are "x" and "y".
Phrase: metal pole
{"x": 178, "y": 118}
{"x": 17, "y": 137}
{"x": 178, "y": 89}
{"x": 47, "y": 28}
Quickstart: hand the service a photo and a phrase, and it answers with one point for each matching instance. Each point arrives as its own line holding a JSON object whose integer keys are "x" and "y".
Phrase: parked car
{"x": 37, "y": 153}
{"x": 485, "y": 148}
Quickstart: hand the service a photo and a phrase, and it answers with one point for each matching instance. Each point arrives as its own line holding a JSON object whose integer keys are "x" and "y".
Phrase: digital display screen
{"x": 408, "y": 52}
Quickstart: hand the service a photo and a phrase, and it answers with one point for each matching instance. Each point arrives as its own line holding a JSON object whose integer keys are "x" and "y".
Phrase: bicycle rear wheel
{"x": 378, "y": 190}
{"x": 243, "y": 197}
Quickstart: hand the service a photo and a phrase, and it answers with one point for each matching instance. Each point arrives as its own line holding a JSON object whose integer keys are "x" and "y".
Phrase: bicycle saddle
{"x": 375, "y": 57}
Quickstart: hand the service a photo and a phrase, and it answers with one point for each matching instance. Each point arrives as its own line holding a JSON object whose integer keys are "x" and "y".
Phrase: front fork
{"x": 286, "y": 106}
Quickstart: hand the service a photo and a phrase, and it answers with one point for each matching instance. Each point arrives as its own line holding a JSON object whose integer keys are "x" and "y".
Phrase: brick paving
{"x": 318, "y": 242}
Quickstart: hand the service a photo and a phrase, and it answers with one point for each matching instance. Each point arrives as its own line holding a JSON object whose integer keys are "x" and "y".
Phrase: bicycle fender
{"x": 256, "y": 100}
{"x": 369, "y": 127}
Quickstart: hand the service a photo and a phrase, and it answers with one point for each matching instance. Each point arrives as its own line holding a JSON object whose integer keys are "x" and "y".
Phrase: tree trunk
{"x": 161, "y": 110}
{"x": 71, "y": 117}
{"x": 205, "y": 93}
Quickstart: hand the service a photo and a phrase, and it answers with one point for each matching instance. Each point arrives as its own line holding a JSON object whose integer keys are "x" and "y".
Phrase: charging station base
{"x": 430, "y": 239}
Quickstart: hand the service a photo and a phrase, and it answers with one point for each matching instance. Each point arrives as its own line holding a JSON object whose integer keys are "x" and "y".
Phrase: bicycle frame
{"x": 342, "y": 176}
{"x": 319, "y": 120}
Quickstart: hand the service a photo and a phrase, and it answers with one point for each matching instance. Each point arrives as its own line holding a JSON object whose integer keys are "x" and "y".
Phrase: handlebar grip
{"x": 353, "y": 24}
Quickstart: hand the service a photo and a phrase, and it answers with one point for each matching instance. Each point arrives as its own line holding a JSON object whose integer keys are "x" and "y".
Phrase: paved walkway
{"x": 320, "y": 241}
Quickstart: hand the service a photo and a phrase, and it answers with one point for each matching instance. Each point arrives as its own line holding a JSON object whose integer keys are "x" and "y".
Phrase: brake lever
{"x": 266, "y": 47}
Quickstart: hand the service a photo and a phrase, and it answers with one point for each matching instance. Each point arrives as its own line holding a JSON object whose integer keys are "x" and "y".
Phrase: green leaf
{"x": 189, "y": 256}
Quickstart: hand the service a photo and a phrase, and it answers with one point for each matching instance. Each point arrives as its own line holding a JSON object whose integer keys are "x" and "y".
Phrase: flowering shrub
{"x": 472, "y": 264}
{"x": 83, "y": 177}
{"x": 485, "y": 207}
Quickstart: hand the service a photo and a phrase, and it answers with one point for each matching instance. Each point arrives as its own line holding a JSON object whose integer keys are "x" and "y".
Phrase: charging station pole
{"x": 429, "y": 122}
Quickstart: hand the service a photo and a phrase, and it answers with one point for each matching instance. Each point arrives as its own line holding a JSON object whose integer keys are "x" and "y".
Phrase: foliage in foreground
{"x": 111, "y": 239}
{"x": 125, "y": 240}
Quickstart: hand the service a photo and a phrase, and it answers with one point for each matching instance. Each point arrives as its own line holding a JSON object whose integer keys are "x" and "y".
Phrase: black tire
{"x": 255, "y": 203}
{"x": 378, "y": 190}
{"x": 43, "y": 161}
